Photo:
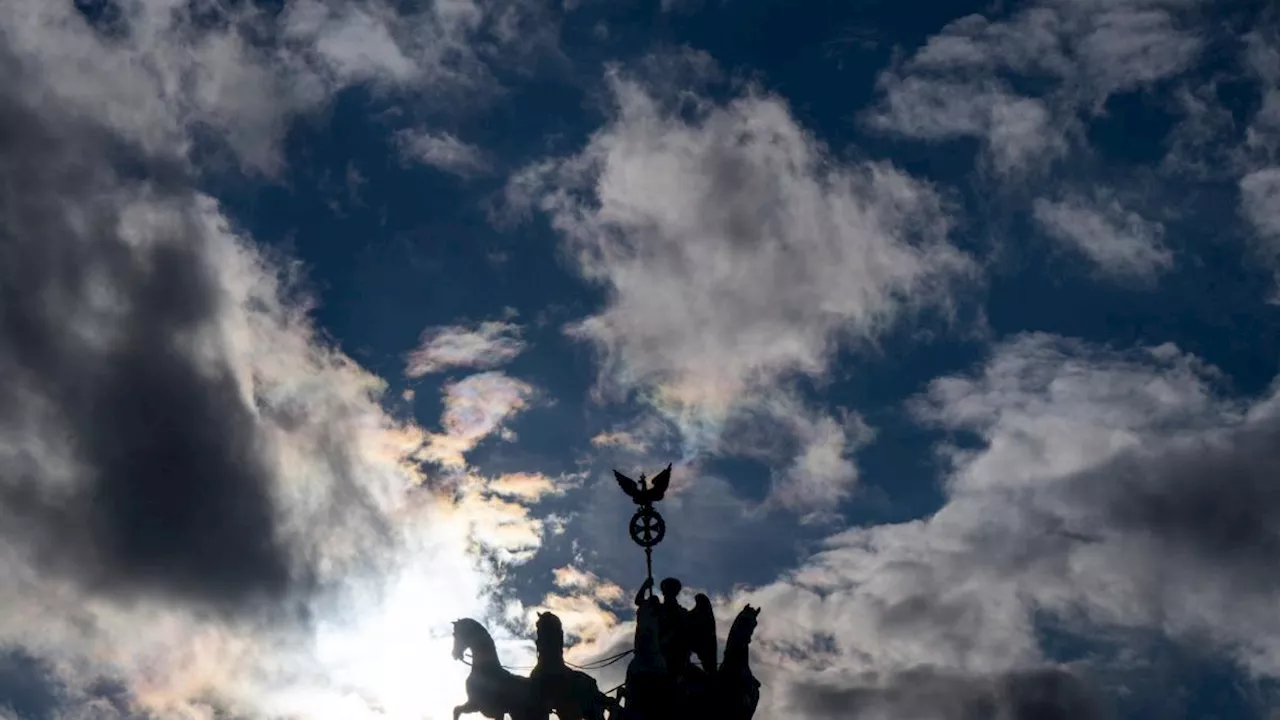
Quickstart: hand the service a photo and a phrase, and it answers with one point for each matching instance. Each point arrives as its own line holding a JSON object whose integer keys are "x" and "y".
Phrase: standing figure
{"x": 571, "y": 694}
{"x": 673, "y": 627}
{"x": 649, "y": 690}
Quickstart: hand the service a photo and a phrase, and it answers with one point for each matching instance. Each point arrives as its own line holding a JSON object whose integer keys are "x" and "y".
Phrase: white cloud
{"x": 959, "y": 83}
{"x": 1260, "y": 195}
{"x": 444, "y": 151}
{"x": 1119, "y": 241}
{"x": 1260, "y": 205}
{"x": 485, "y": 346}
{"x": 524, "y": 485}
{"x": 737, "y": 254}
{"x": 475, "y": 408}
{"x": 1019, "y": 131}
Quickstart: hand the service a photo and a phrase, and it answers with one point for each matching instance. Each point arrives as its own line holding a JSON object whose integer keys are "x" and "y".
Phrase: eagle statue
{"x": 644, "y": 494}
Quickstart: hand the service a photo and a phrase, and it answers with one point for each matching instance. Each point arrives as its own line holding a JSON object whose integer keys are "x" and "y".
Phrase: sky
{"x": 324, "y": 322}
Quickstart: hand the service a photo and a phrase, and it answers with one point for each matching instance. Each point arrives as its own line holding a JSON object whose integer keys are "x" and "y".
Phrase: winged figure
{"x": 641, "y": 493}
{"x": 702, "y": 632}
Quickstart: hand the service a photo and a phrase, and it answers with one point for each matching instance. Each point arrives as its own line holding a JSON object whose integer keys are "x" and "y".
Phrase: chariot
{"x": 662, "y": 680}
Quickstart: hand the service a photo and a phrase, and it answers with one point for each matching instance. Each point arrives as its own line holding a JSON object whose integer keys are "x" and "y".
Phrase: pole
{"x": 648, "y": 563}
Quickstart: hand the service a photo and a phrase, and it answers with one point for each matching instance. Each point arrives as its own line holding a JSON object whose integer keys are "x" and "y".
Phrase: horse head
{"x": 550, "y": 636}
{"x": 466, "y": 632}
{"x": 744, "y": 626}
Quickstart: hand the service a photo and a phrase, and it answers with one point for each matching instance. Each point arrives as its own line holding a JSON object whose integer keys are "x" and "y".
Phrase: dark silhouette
{"x": 492, "y": 690}
{"x": 673, "y": 627}
{"x": 642, "y": 493}
{"x": 571, "y": 694}
{"x": 737, "y": 689}
{"x": 650, "y": 689}
{"x": 701, "y": 630}
{"x": 661, "y": 684}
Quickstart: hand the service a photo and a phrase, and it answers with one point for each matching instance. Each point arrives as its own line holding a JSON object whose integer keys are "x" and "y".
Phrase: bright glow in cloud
{"x": 488, "y": 345}
{"x": 475, "y": 408}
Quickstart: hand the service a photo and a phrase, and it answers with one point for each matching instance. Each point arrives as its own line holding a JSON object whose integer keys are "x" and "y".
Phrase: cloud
{"x": 582, "y": 606}
{"x": 204, "y": 506}
{"x": 1019, "y": 132}
{"x": 961, "y": 82}
{"x": 524, "y": 485}
{"x": 443, "y": 151}
{"x": 1262, "y": 59}
{"x": 475, "y": 408}
{"x": 737, "y": 255}
{"x": 485, "y": 346}
{"x": 1119, "y": 241}
{"x": 1049, "y": 694}
{"x": 620, "y": 439}
{"x": 1104, "y": 493}
{"x": 1260, "y": 198}
{"x": 239, "y": 74}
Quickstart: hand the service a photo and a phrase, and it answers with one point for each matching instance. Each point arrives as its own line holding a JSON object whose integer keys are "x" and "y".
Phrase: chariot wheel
{"x": 647, "y": 527}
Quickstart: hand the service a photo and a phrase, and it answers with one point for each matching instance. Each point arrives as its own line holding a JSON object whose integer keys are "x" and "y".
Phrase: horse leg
{"x": 464, "y": 709}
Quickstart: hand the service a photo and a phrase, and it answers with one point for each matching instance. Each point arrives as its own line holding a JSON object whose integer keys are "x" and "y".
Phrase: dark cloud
{"x": 1046, "y": 694}
{"x": 1215, "y": 500}
{"x": 169, "y": 489}
{"x": 29, "y": 688}
{"x": 32, "y": 689}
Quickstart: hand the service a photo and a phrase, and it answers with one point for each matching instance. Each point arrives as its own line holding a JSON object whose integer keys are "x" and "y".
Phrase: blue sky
{"x": 323, "y": 323}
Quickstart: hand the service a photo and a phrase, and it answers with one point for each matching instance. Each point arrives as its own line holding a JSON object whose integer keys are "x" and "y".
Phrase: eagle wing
{"x": 702, "y": 632}
{"x": 628, "y": 485}
{"x": 660, "y": 482}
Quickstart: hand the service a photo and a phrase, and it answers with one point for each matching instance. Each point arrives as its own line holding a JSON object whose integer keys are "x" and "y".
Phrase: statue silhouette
{"x": 701, "y": 629}
{"x": 673, "y": 626}
{"x": 571, "y": 694}
{"x": 649, "y": 690}
{"x": 737, "y": 688}
{"x": 492, "y": 690}
{"x": 641, "y": 493}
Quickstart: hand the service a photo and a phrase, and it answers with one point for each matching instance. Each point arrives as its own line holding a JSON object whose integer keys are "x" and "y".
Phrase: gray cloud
{"x": 1103, "y": 492}
{"x": 33, "y": 688}
{"x": 196, "y": 489}
{"x": 166, "y": 485}
{"x": 959, "y": 83}
{"x": 240, "y": 73}
{"x": 1049, "y": 694}
{"x": 1120, "y": 242}
{"x": 444, "y": 151}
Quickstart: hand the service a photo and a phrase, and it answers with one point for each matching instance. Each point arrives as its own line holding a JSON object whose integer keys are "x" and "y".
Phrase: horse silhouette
{"x": 492, "y": 690}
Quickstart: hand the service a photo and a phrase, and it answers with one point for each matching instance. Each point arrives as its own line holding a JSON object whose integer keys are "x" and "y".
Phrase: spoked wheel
{"x": 647, "y": 527}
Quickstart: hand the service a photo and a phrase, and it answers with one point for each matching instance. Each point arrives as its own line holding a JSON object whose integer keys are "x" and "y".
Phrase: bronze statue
{"x": 661, "y": 682}
{"x": 571, "y": 694}
{"x": 649, "y": 691}
{"x": 492, "y": 690}
{"x": 737, "y": 688}
{"x": 641, "y": 493}
{"x": 701, "y": 631}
